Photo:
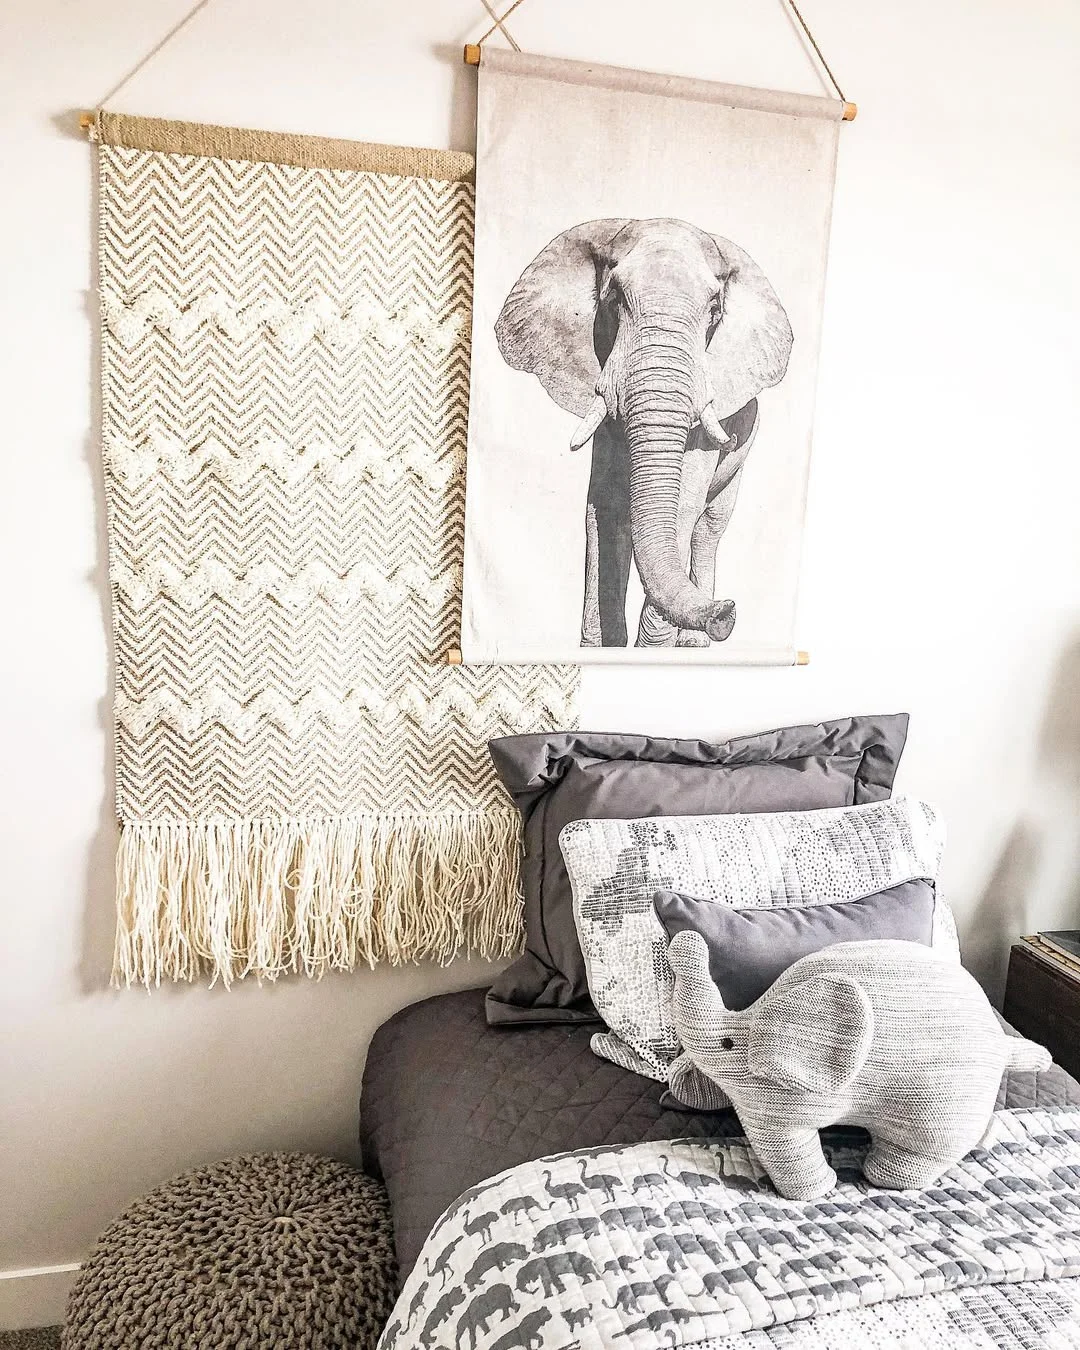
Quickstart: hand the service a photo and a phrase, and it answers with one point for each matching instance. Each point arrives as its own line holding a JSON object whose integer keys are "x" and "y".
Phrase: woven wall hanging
{"x": 302, "y": 781}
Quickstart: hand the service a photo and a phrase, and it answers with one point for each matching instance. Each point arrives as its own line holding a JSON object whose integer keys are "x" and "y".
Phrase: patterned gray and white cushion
{"x": 779, "y": 858}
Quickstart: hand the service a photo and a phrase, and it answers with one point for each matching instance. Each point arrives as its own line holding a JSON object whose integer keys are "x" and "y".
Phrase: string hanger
{"x": 473, "y": 49}
{"x": 87, "y": 120}
{"x": 821, "y": 57}
{"x": 500, "y": 23}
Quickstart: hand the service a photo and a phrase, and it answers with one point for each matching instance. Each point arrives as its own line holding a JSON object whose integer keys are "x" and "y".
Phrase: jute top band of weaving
{"x": 280, "y": 147}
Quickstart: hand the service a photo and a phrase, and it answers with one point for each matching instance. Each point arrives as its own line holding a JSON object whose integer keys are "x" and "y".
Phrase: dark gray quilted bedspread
{"x": 448, "y": 1101}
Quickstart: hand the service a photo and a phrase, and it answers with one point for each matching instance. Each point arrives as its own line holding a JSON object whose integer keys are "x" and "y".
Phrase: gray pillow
{"x": 750, "y": 948}
{"x": 558, "y": 777}
{"x": 766, "y": 859}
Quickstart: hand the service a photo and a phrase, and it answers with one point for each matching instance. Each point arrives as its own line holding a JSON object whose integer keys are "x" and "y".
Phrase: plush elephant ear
{"x": 546, "y": 324}
{"x": 750, "y": 348}
{"x": 815, "y": 1036}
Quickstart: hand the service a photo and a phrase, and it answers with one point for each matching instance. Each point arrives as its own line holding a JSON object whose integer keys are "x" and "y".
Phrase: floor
{"x": 44, "y": 1338}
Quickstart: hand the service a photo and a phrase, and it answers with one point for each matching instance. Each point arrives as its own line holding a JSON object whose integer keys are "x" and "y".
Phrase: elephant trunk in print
{"x": 662, "y": 395}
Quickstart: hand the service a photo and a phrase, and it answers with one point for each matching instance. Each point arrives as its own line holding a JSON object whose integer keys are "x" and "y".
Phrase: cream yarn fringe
{"x": 227, "y": 898}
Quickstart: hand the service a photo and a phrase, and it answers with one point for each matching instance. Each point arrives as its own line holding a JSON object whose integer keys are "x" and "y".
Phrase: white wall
{"x": 941, "y": 574}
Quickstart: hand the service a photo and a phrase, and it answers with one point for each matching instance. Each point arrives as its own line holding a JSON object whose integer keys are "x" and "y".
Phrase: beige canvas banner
{"x": 650, "y": 267}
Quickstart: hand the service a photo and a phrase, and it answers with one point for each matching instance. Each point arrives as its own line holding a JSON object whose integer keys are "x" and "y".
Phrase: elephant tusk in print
{"x": 710, "y": 424}
{"x": 594, "y": 415}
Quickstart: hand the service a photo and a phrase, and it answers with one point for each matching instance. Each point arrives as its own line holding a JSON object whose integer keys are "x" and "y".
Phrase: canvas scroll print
{"x": 650, "y": 267}
{"x": 302, "y": 781}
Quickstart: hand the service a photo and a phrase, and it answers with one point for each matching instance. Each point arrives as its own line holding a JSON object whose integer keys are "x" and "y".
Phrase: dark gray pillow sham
{"x": 554, "y": 778}
{"x": 750, "y": 948}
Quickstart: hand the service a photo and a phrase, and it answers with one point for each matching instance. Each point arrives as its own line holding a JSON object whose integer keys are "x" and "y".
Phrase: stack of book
{"x": 1059, "y": 948}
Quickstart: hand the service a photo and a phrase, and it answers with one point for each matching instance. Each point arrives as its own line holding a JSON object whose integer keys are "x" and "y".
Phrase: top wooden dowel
{"x": 472, "y": 58}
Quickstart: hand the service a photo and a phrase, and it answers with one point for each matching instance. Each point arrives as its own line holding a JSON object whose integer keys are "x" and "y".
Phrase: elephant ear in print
{"x": 814, "y": 1036}
{"x": 546, "y": 324}
{"x": 546, "y": 327}
{"x": 750, "y": 348}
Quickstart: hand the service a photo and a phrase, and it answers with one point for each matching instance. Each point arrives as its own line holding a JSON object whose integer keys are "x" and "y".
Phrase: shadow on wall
{"x": 462, "y": 93}
{"x": 1059, "y": 743}
{"x": 1001, "y": 913}
{"x": 99, "y": 902}
{"x": 1036, "y": 881}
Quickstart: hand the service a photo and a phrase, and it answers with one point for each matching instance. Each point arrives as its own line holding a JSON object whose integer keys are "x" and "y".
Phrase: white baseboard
{"x": 35, "y": 1297}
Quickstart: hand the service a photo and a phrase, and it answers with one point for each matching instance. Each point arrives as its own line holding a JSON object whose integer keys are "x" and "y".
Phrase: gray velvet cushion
{"x": 750, "y": 948}
{"x": 555, "y": 778}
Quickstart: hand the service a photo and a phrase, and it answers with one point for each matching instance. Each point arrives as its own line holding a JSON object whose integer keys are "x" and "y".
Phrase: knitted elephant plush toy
{"x": 887, "y": 1035}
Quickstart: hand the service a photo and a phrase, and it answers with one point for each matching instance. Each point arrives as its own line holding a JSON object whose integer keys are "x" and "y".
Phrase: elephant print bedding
{"x": 645, "y": 333}
{"x": 686, "y": 1244}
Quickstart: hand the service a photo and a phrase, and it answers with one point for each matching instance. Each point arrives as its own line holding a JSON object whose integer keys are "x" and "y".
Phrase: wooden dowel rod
{"x": 453, "y": 657}
{"x": 86, "y": 120}
{"x": 472, "y": 58}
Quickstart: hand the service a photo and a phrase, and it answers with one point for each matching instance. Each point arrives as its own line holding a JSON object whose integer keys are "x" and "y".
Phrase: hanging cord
{"x": 472, "y": 49}
{"x": 489, "y": 5}
{"x": 499, "y": 24}
{"x": 163, "y": 42}
{"x": 86, "y": 120}
{"x": 820, "y": 55}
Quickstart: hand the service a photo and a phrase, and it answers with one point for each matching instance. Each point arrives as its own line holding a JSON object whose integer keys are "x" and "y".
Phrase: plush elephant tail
{"x": 1027, "y": 1057}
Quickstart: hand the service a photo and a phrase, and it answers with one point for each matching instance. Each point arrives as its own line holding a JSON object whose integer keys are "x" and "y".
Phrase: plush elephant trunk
{"x": 697, "y": 1006}
{"x": 657, "y": 404}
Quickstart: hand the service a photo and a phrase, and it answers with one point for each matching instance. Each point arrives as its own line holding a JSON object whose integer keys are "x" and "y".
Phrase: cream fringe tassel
{"x": 229, "y": 898}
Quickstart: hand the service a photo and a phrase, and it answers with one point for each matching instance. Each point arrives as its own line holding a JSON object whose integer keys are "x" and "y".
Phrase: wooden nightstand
{"x": 1042, "y": 1001}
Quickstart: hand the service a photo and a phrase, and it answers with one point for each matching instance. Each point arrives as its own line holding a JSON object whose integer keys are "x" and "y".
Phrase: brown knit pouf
{"x": 270, "y": 1250}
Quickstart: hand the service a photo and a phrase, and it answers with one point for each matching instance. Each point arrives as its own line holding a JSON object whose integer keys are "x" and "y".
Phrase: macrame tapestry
{"x": 650, "y": 270}
{"x": 302, "y": 781}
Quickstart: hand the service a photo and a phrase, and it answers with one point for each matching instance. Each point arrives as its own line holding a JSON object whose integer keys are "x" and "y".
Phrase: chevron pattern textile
{"x": 302, "y": 782}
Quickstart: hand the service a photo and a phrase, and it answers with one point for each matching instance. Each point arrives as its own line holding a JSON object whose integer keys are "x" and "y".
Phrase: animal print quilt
{"x": 685, "y": 1244}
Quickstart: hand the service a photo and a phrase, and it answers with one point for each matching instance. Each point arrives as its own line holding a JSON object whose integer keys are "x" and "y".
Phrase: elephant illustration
{"x": 499, "y": 1299}
{"x": 549, "y": 1272}
{"x": 658, "y": 336}
{"x": 452, "y": 1299}
{"x": 891, "y": 1036}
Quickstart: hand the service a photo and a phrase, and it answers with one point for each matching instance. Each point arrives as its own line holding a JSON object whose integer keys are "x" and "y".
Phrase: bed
{"x": 449, "y": 1101}
{"x": 547, "y": 1198}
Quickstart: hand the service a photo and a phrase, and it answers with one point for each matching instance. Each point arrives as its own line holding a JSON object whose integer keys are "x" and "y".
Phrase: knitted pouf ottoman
{"x": 271, "y": 1250}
